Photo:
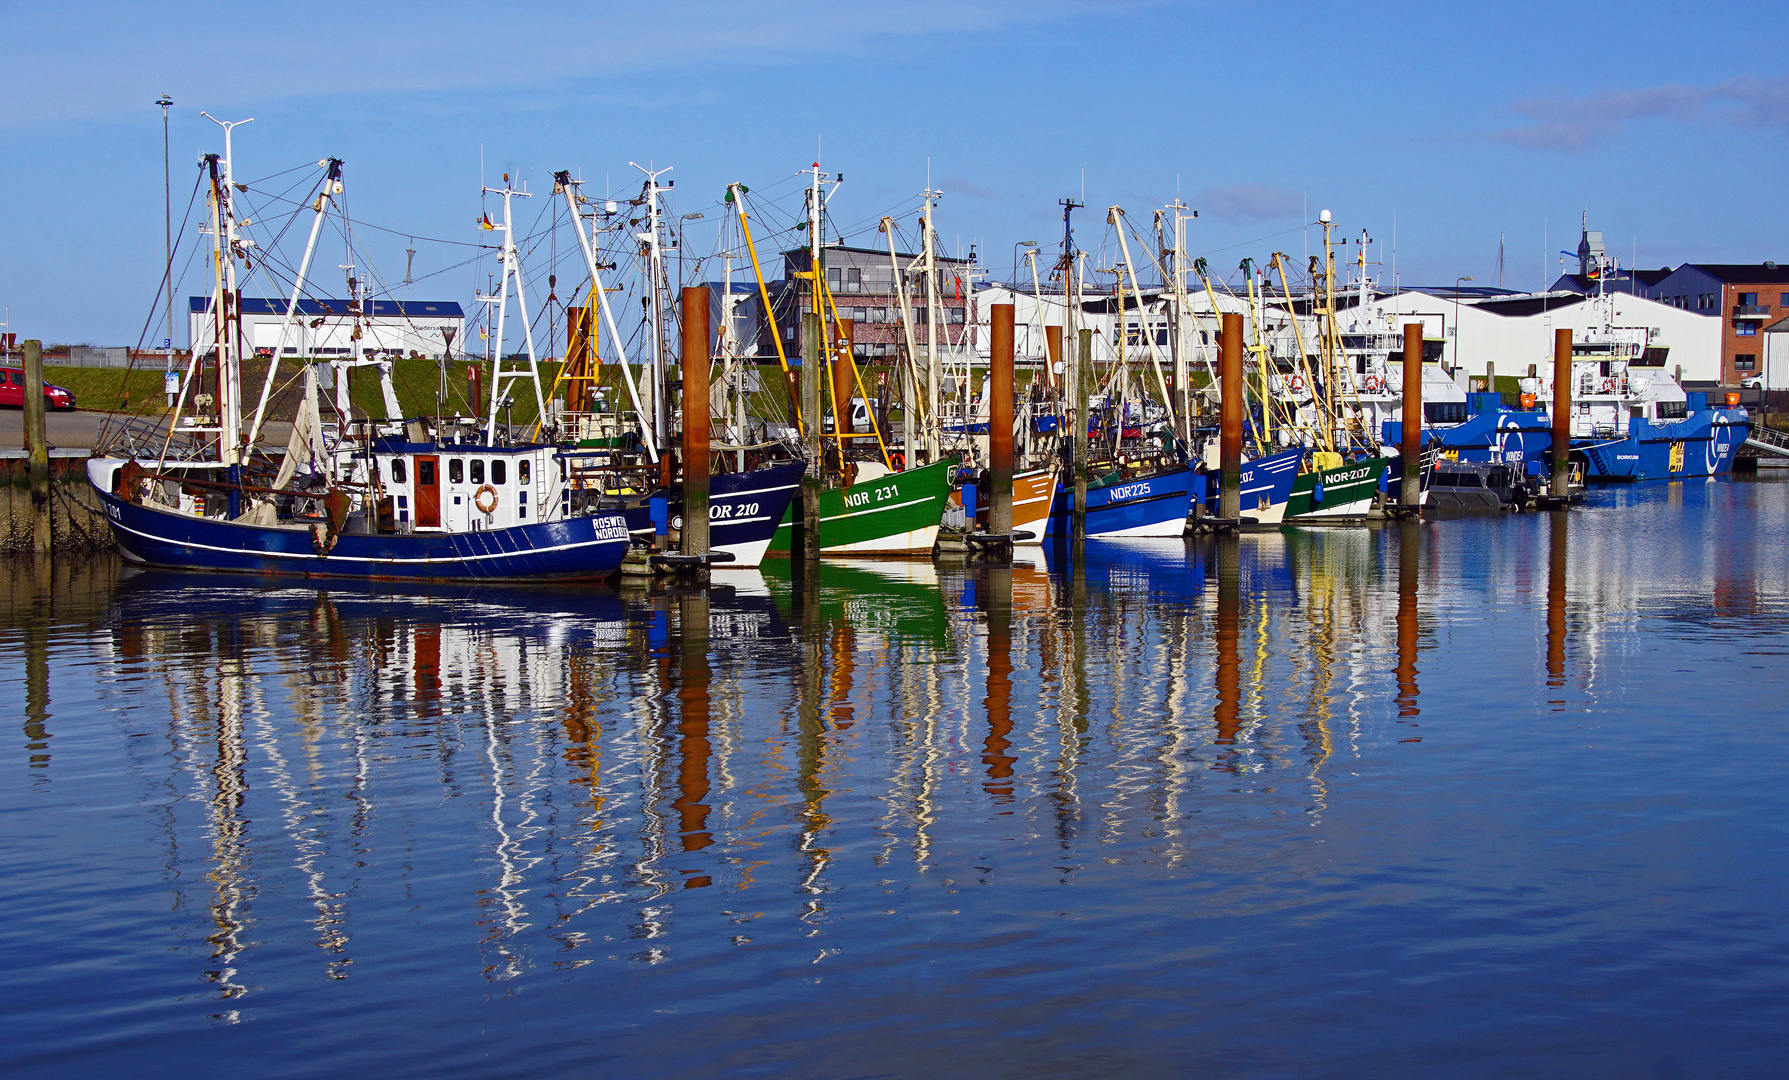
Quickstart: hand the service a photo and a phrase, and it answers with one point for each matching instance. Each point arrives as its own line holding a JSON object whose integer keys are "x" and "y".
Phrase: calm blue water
{"x": 1479, "y": 797}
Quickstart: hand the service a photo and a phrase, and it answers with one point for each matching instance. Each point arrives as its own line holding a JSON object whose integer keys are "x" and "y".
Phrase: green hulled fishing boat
{"x": 893, "y": 513}
{"x": 1346, "y": 490}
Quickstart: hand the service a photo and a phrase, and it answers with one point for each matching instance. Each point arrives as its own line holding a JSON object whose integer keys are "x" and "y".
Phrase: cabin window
{"x": 522, "y": 471}
{"x": 425, "y": 473}
{"x": 456, "y": 472}
{"x": 478, "y": 470}
{"x": 1671, "y": 410}
{"x": 1444, "y": 412}
{"x": 398, "y": 473}
{"x": 499, "y": 471}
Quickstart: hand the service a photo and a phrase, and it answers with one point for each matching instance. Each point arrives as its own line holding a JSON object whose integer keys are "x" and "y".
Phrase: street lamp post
{"x": 1457, "y": 283}
{"x": 167, "y": 234}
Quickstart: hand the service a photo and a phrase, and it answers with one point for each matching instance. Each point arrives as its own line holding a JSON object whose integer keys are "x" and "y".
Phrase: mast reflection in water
{"x": 1386, "y": 799}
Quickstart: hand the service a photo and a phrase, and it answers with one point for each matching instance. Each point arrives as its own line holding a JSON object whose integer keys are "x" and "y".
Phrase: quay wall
{"x": 77, "y": 523}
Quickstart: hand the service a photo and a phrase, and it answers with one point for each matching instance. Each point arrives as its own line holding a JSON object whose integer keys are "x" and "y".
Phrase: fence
{"x": 89, "y": 356}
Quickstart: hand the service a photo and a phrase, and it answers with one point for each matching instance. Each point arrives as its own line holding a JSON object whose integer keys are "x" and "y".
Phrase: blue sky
{"x": 1448, "y": 124}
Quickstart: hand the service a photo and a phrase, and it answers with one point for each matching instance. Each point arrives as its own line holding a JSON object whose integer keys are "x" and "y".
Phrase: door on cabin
{"x": 428, "y": 493}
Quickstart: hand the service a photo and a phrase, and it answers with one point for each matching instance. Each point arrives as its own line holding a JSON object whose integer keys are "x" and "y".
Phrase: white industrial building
{"x": 1508, "y": 333}
{"x": 323, "y": 328}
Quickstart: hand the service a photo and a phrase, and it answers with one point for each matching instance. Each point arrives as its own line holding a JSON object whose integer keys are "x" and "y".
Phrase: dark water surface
{"x": 1477, "y": 797}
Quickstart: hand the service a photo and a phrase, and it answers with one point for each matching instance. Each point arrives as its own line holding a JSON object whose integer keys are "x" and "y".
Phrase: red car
{"x": 12, "y": 392}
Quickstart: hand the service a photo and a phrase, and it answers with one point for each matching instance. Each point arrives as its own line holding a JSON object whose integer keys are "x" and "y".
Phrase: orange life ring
{"x": 1295, "y": 383}
{"x": 1373, "y": 384}
{"x": 478, "y": 499}
{"x": 897, "y": 461}
{"x": 1608, "y": 386}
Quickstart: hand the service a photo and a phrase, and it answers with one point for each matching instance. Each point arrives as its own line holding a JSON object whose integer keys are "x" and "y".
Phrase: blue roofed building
{"x": 324, "y": 329}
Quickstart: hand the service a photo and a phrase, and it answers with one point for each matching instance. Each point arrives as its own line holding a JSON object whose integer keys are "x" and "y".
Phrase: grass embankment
{"x": 139, "y": 391}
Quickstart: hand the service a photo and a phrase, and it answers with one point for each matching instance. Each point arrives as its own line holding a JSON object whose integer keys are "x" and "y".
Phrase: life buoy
{"x": 478, "y": 499}
{"x": 1608, "y": 386}
{"x": 897, "y": 461}
{"x": 1295, "y": 383}
{"x": 1373, "y": 384}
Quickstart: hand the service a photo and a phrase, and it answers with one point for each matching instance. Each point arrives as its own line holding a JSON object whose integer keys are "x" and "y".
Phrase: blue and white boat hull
{"x": 1152, "y": 506}
{"x": 586, "y": 548}
{"x": 1703, "y": 444}
{"x": 744, "y": 510}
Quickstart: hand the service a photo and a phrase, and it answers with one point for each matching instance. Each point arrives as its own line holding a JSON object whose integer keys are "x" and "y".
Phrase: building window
{"x": 853, "y": 279}
{"x": 1745, "y": 361}
{"x": 1746, "y": 329}
{"x": 1748, "y": 299}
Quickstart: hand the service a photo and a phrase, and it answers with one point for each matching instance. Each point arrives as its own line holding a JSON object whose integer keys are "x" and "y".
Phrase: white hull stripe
{"x": 880, "y": 509}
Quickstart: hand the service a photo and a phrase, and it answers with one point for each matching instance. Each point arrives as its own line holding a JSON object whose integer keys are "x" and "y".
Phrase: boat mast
{"x": 512, "y": 271}
{"x": 909, "y": 380}
{"x": 933, "y": 373}
{"x": 331, "y": 187}
{"x": 229, "y": 315}
{"x": 1328, "y": 327}
{"x": 655, "y": 279}
{"x": 1116, "y": 216}
{"x": 567, "y": 187}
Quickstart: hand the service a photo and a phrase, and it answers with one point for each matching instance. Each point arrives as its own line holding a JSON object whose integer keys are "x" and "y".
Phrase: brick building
{"x": 1744, "y": 296}
{"x": 862, "y": 283}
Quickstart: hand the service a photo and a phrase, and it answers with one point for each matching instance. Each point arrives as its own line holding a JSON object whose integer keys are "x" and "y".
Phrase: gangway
{"x": 1768, "y": 441}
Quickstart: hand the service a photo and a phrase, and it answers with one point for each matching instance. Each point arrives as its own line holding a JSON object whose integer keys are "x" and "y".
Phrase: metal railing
{"x": 1768, "y": 439}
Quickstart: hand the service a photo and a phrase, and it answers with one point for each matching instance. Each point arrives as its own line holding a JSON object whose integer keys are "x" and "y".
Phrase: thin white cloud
{"x": 1248, "y": 202}
{"x": 94, "y": 60}
{"x": 1574, "y": 124}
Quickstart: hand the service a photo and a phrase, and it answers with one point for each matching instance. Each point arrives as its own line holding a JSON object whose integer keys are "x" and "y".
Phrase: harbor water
{"x": 1479, "y": 796}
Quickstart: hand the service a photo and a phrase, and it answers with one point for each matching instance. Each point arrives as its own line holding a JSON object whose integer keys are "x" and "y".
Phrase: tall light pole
{"x": 167, "y": 233}
{"x": 1457, "y": 283}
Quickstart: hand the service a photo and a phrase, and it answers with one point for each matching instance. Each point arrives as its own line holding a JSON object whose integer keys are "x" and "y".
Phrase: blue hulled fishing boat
{"x": 350, "y": 497}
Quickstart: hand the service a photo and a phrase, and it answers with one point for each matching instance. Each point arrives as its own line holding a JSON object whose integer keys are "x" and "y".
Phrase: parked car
{"x": 12, "y": 392}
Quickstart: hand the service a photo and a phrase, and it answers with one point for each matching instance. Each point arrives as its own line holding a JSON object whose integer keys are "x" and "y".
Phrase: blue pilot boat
{"x": 349, "y": 498}
{"x": 1631, "y": 421}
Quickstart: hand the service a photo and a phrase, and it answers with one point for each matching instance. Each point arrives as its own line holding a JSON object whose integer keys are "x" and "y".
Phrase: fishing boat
{"x": 880, "y": 513}
{"x": 1033, "y": 491}
{"x": 620, "y": 456}
{"x": 1154, "y": 505}
{"x": 395, "y": 500}
{"x": 1329, "y": 486}
{"x": 867, "y": 501}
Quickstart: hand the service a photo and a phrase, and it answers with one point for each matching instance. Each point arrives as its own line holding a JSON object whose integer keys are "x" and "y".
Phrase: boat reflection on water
{"x": 542, "y": 779}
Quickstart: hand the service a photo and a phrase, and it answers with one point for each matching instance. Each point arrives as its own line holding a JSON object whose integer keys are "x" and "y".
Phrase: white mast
{"x": 1155, "y": 358}
{"x": 655, "y": 271}
{"x": 566, "y": 186}
{"x": 933, "y": 374}
{"x": 229, "y": 360}
{"x": 332, "y": 186}
{"x": 909, "y": 382}
{"x": 512, "y": 271}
